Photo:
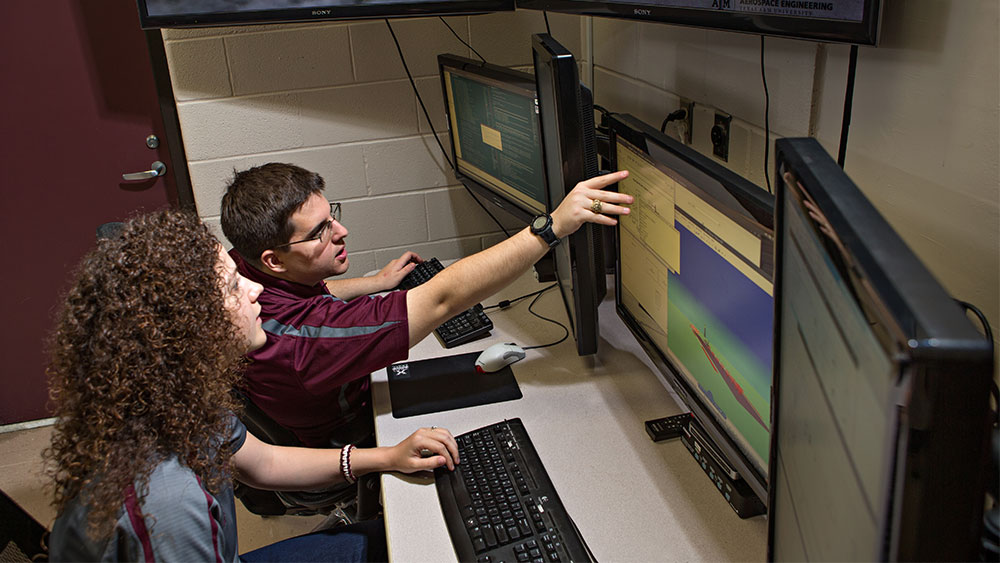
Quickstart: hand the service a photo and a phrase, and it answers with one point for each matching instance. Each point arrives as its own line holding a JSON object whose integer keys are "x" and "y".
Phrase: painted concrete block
{"x": 380, "y": 222}
{"x": 237, "y": 126}
{"x": 421, "y": 40}
{"x": 401, "y": 165}
{"x": 453, "y": 213}
{"x": 504, "y": 38}
{"x": 342, "y": 168}
{"x": 448, "y": 249}
{"x": 356, "y": 113}
{"x": 309, "y": 57}
{"x": 433, "y": 97}
{"x": 198, "y": 69}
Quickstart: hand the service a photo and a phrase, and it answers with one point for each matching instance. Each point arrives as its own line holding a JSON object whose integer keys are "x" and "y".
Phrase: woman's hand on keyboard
{"x": 424, "y": 450}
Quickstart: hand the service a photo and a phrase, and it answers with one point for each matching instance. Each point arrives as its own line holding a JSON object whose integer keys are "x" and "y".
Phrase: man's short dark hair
{"x": 259, "y": 203}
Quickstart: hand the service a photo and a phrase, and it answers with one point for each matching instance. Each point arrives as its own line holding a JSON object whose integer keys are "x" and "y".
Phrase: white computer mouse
{"x": 497, "y": 356}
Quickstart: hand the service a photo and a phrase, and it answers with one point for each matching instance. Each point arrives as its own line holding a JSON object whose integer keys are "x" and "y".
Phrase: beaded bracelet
{"x": 345, "y": 464}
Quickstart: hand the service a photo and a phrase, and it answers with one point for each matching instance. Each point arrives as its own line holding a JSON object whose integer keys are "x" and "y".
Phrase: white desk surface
{"x": 632, "y": 499}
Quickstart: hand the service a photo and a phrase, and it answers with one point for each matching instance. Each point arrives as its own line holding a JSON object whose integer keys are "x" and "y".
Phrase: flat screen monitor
{"x": 881, "y": 385}
{"x": 495, "y": 136}
{"x": 201, "y": 13}
{"x": 694, "y": 285}
{"x": 830, "y": 21}
{"x": 567, "y": 117}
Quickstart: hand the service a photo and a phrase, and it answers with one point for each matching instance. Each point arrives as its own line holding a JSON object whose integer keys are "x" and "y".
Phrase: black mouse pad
{"x": 447, "y": 383}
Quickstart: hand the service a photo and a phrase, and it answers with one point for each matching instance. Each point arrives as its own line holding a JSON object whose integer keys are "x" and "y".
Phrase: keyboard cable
{"x": 537, "y": 294}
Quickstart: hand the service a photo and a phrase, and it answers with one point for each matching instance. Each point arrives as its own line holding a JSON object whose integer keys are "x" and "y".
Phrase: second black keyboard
{"x": 499, "y": 503}
{"x": 466, "y": 326}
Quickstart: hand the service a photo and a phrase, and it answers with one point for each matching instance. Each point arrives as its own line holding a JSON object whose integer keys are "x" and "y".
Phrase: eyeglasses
{"x": 325, "y": 230}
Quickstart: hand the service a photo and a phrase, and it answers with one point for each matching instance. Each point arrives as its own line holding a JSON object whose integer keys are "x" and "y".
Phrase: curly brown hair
{"x": 143, "y": 358}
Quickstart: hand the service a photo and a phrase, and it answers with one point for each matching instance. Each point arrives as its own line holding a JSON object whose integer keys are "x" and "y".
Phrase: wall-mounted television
{"x": 831, "y": 21}
{"x": 203, "y": 13}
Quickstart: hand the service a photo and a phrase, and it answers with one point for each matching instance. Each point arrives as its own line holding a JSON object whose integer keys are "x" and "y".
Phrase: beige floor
{"x": 21, "y": 477}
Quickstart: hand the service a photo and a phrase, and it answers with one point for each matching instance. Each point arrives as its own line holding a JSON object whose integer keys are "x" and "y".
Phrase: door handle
{"x": 157, "y": 169}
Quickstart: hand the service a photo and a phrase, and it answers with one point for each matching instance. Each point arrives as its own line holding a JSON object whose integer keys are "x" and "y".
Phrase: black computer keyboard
{"x": 464, "y": 327}
{"x": 499, "y": 503}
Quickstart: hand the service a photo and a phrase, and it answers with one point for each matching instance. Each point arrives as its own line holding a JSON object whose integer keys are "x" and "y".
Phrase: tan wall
{"x": 333, "y": 97}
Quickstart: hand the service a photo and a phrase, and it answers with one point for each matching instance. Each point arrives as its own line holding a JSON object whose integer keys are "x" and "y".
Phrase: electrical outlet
{"x": 688, "y": 123}
{"x": 720, "y": 136}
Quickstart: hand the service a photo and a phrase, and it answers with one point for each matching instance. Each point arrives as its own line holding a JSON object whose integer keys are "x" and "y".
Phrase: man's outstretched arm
{"x": 476, "y": 277}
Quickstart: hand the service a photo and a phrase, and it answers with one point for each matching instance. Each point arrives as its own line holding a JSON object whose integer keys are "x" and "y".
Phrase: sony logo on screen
{"x": 642, "y": 12}
{"x": 321, "y": 12}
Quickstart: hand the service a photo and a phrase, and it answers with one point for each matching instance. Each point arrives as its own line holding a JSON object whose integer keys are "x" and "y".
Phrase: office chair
{"x": 22, "y": 538}
{"x": 345, "y": 503}
{"x": 109, "y": 230}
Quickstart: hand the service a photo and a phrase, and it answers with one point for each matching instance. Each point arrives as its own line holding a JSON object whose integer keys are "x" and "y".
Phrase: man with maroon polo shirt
{"x": 325, "y": 338}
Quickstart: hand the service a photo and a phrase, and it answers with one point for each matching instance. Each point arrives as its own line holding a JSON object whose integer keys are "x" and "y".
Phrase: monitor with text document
{"x": 495, "y": 135}
{"x": 694, "y": 285}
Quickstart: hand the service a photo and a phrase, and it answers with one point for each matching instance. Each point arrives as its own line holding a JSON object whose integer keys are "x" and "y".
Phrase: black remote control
{"x": 668, "y": 427}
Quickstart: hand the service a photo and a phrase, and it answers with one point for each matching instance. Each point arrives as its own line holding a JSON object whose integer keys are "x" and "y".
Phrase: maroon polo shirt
{"x": 311, "y": 376}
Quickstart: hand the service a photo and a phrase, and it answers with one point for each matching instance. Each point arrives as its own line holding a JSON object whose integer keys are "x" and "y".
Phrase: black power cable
{"x": 430, "y": 124}
{"x": 845, "y": 125}
{"x": 459, "y": 37}
{"x": 673, "y": 116}
{"x": 988, "y": 333}
{"x": 544, "y": 318}
{"x": 506, "y": 303}
{"x": 767, "y": 118}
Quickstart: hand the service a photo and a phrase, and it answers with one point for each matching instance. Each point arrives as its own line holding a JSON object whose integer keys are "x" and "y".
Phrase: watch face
{"x": 539, "y": 222}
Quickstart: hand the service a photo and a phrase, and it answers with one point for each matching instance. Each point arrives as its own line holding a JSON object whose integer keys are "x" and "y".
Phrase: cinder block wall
{"x": 334, "y": 98}
{"x": 924, "y": 141}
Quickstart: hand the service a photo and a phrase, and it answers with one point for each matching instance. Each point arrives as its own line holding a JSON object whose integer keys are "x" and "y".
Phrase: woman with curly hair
{"x": 146, "y": 350}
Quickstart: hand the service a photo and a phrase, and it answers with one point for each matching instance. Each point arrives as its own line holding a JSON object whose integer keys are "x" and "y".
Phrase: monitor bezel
{"x": 760, "y": 205}
{"x": 565, "y": 165}
{"x": 334, "y": 12}
{"x": 865, "y": 32}
{"x": 502, "y": 74}
{"x": 939, "y": 346}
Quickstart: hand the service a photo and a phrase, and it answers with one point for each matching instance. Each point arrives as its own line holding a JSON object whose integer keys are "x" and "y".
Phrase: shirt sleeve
{"x": 329, "y": 342}
{"x": 237, "y": 433}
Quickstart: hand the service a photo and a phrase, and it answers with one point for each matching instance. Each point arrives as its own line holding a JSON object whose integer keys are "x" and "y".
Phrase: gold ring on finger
{"x": 596, "y": 206}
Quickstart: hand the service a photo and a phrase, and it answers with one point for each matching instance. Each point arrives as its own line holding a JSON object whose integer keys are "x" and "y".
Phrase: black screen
{"x": 835, "y": 21}
{"x": 196, "y": 13}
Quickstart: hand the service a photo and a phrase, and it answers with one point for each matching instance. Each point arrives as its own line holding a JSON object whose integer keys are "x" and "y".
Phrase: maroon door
{"x": 78, "y": 102}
